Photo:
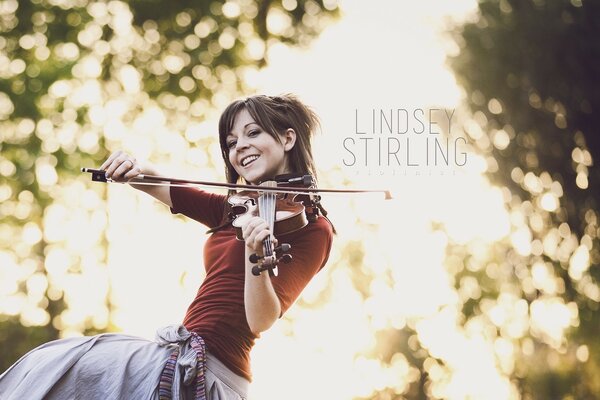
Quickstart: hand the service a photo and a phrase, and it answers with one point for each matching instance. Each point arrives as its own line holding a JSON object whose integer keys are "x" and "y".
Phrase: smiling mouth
{"x": 249, "y": 160}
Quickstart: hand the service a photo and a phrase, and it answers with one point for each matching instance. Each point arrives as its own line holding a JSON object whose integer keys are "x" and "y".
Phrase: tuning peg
{"x": 284, "y": 247}
{"x": 256, "y": 270}
{"x": 286, "y": 258}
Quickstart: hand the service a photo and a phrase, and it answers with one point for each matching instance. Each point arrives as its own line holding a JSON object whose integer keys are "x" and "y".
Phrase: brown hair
{"x": 275, "y": 114}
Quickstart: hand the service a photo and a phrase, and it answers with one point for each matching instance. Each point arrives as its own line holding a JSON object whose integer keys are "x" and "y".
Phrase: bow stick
{"x": 99, "y": 176}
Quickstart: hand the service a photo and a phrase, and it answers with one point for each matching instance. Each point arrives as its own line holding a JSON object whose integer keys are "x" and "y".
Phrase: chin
{"x": 258, "y": 175}
{"x": 252, "y": 178}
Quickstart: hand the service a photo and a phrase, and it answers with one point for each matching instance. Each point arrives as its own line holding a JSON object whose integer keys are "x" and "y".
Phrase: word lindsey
{"x": 403, "y": 138}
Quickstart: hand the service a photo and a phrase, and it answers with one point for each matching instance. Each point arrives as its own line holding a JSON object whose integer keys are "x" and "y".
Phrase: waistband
{"x": 188, "y": 357}
{"x": 191, "y": 359}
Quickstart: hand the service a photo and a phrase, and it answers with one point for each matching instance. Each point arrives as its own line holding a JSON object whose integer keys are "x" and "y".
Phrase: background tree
{"x": 64, "y": 67}
{"x": 529, "y": 69}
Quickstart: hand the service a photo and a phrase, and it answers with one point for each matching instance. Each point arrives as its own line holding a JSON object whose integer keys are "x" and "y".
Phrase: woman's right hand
{"x": 121, "y": 167}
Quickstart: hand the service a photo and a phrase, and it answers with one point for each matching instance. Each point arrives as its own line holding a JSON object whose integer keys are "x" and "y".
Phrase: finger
{"x": 133, "y": 172}
{"x": 120, "y": 159}
{"x": 107, "y": 162}
{"x": 122, "y": 169}
{"x": 110, "y": 159}
{"x": 257, "y": 240}
{"x": 253, "y": 226}
{"x": 254, "y": 235}
{"x": 249, "y": 224}
{"x": 121, "y": 165}
{"x": 262, "y": 235}
{"x": 251, "y": 237}
{"x": 115, "y": 164}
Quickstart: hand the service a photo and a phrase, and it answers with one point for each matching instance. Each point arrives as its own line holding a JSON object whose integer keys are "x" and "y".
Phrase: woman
{"x": 261, "y": 137}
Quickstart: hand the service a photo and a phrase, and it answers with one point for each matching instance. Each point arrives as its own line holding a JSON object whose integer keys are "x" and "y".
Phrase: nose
{"x": 241, "y": 143}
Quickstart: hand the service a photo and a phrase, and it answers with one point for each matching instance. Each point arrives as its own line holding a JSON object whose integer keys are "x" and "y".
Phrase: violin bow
{"x": 99, "y": 176}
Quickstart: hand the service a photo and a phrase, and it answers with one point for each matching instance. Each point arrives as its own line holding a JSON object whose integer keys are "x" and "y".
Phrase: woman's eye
{"x": 230, "y": 145}
{"x": 253, "y": 133}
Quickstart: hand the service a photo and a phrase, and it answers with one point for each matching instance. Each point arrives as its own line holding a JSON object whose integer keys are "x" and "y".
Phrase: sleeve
{"x": 310, "y": 251}
{"x": 206, "y": 208}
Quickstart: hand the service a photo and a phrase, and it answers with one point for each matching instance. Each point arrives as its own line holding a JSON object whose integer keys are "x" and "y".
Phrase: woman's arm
{"x": 266, "y": 299}
{"x": 122, "y": 167}
{"x": 260, "y": 300}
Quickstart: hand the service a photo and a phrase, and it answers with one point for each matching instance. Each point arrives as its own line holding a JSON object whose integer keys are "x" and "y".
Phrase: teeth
{"x": 248, "y": 160}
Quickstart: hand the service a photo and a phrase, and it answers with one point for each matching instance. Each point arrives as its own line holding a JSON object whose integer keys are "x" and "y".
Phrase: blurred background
{"x": 479, "y": 280}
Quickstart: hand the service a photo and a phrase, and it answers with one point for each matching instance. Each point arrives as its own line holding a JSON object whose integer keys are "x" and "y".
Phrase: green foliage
{"x": 533, "y": 57}
{"x": 530, "y": 70}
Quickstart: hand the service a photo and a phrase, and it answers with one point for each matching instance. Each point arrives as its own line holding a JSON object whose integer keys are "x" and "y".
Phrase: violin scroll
{"x": 268, "y": 263}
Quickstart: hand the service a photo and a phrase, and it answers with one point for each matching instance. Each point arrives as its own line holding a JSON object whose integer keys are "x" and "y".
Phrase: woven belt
{"x": 168, "y": 373}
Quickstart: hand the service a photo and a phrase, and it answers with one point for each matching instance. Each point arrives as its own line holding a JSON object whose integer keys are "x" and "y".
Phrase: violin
{"x": 287, "y": 204}
{"x": 283, "y": 214}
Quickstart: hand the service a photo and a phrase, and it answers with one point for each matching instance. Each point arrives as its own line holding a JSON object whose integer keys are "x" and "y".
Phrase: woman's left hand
{"x": 254, "y": 231}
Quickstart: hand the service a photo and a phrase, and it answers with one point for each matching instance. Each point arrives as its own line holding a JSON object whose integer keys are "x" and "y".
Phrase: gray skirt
{"x": 116, "y": 366}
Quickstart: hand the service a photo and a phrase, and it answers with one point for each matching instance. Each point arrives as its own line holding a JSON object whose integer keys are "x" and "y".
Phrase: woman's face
{"x": 254, "y": 153}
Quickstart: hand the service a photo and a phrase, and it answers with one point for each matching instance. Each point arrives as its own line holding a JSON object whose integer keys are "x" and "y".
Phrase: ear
{"x": 289, "y": 139}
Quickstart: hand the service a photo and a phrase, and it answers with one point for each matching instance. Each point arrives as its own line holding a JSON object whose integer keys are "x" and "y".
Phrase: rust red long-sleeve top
{"x": 217, "y": 313}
